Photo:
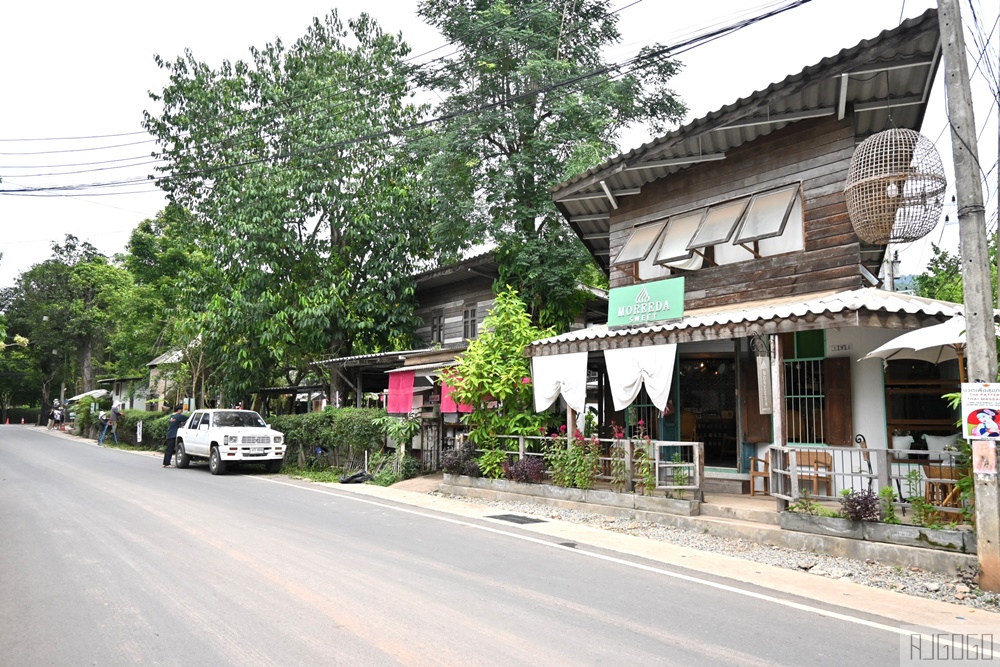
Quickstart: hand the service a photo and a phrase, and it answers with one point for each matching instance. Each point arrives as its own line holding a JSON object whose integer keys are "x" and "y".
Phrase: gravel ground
{"x": 959, "y": 589}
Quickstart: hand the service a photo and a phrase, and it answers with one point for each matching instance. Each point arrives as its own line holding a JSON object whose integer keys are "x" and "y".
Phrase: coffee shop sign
{"x": 648, "y": 302}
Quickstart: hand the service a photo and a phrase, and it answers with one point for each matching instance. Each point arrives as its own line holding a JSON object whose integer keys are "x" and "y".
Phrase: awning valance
{"x": 630, "y": 368}
{"x": 560, "y": 375}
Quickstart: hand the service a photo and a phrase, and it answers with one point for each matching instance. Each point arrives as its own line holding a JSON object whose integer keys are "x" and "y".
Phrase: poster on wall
{"x": 980, "y": 411}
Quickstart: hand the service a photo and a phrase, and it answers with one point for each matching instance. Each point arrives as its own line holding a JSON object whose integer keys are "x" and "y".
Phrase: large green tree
{"x": 529, "y": 100}
{"x": 301, "y": 192}
{"x": 65, "y": 307}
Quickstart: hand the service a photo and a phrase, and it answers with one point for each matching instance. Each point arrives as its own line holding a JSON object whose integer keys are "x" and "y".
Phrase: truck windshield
{"x": 237, "y": 418}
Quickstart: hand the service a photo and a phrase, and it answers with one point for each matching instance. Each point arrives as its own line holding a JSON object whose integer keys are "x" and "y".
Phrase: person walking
{"x": 177, "y": 420}
{"x": 113, "y": 417}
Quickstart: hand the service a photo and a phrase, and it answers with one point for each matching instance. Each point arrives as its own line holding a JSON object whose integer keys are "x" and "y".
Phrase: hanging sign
{"x": 654, "y": 301}
{"x": 980, "y": 411}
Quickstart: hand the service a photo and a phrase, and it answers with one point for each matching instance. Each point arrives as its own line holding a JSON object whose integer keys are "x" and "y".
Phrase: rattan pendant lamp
{"x": 895, "y": 187}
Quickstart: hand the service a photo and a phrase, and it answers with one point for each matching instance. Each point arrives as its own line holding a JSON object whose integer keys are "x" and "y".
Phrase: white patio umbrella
{"x": 941, "y": 342}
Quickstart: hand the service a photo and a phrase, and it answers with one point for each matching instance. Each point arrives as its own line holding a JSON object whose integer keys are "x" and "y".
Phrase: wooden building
{"x": 746, "y": 207}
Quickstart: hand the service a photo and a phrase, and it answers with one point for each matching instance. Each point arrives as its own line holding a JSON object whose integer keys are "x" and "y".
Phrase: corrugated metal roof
{"x": 867, "y": 299}
{"x": 889, "y": 75}
{"x": 375, "y": 356}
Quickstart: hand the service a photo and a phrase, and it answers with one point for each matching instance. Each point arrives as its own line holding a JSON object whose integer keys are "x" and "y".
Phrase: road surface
{"x": 107, "y": 558}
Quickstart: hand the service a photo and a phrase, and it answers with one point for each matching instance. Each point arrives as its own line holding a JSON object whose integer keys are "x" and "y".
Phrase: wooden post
{"x": 570, "y": 424}
{"x": 778, "y": 415}
{"x": 980, "y": 329}
{"x": 521, "y": 447}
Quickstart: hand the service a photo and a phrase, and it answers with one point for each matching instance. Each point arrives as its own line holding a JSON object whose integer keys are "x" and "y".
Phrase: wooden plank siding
{"x": 816, "y": 152}
{"x": 451, "y": 302}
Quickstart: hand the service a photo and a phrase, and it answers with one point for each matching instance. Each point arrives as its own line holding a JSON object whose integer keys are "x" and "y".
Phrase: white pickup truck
{"x": 229, "y": 436}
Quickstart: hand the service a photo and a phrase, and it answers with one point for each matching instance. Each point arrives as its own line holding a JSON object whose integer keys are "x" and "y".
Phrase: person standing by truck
{"x": 113, "y": 417}
{"x": 177, "y": 420}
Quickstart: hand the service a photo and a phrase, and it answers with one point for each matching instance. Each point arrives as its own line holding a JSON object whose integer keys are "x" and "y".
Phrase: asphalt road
{"x": 108, "y": 559}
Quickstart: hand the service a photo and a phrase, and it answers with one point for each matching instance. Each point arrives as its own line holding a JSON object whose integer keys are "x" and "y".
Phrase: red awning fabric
{"x": 400, "y": 392}
{"x": 447, "y": 402}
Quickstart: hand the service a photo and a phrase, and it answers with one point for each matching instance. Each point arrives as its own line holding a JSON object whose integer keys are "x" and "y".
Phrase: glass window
{"x": 640, "y": 243}
{"x": 719, "y": 223}
{"x": 469, "y": 323}
{"x": 437, "y": 328}
{"x": 680, "y": 230}
{"x": 767, "y": 214}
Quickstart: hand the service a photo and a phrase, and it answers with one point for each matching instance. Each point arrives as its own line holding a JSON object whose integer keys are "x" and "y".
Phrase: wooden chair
{"x": 689, "y": 426}
{"x": 816, "y": 467}
{"x": 940, "y": 486}
{"x": 760, "y": 468}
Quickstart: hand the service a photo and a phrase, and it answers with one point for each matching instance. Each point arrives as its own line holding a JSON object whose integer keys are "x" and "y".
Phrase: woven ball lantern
{"x": 895, "y": 187}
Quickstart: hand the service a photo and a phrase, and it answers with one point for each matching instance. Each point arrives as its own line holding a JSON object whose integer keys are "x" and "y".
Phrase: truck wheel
{"x": 181, "y": 459}
{"x": 216, "y": 465}
{"x": 273, "y": 466}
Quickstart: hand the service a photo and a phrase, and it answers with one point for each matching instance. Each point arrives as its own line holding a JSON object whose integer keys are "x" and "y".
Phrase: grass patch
{"x": 312, "y": 474}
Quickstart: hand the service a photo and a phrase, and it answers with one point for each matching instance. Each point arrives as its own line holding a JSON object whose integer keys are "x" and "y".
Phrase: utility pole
{"x": 980, "y": 330}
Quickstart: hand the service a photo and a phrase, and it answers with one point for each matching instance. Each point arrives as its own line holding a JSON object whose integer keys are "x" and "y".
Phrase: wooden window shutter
{"x": 754, "y": 426}
{"x": 838, "y": 423}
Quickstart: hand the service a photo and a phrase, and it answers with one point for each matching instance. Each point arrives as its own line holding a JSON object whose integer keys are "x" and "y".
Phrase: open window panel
{"x": 640, "y": 243}
{"x": 767, "y": 214}
{"x": 719, "y": 224}
{"x": 675, "y": 248}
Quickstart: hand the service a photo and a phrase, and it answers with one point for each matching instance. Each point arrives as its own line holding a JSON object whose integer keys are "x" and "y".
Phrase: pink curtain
{"x": 447, "y": 402}
{"x": 400, "y": 392}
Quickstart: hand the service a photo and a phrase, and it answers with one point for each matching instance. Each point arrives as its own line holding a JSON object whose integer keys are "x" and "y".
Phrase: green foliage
{"x": 805, "y": 503}
{"x": 340, "y": 431}
{"x": 574, "y": 463}
{"x": 312, "y": 232}
{"x": 491, "y": 463}
{"x": 503, "y": 160}
{"x": 679, "y": 473}
{"x": 644, "y": 469}
{"x": 154, "y": 429}
{"x": 924, "y": 513}
{"x": 942, "y": 279}
{"x": 493, "y": 375}
{"x": 887, "y": 502}
{"x": 402, "y": 430}
{"x": 619, "y": 464}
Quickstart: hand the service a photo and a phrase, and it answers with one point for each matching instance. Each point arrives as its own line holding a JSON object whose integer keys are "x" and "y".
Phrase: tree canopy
{"x": 302, "y": 193}
{"x": 529, "y": 101}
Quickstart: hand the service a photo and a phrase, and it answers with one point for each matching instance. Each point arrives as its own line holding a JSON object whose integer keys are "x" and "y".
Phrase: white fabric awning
{"x": 560, "y": 375}
{"x": 631, "y": 367}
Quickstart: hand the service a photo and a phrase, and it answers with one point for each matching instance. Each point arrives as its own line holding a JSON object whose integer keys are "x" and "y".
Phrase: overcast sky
{"x": 83, "y": 69}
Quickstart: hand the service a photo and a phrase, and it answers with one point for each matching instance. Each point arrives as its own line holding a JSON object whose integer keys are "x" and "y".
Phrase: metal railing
{"x": 677, "y": 465}
{"x": 823, "y": 473}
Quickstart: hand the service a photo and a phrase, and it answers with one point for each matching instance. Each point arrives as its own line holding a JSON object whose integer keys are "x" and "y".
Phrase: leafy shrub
{"x": 409, "y": 468}
{"x": 339, "y": 431}
{"x": 529, "y": 470}
{"x": 456, "y": 461}
{"x": 491, "y": 463}
{"x": 860, "y": 505}
{"x": 471, "y": 468}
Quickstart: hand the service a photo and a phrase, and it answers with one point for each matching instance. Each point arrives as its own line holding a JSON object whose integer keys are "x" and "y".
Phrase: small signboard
{"x": 980, "y": 411}
{"x": 645, "y": 303}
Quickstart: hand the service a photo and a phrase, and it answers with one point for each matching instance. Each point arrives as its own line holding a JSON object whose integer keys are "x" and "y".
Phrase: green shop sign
{"x": 648, "y": 302}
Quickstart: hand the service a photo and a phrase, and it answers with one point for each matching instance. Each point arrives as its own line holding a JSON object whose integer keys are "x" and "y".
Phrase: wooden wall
{"x": 451, "y": 301}
{"x": 816, "y": 152}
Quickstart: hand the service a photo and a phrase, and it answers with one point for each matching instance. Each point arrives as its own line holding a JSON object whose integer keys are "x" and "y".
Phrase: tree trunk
{"x": 87, "y": 363}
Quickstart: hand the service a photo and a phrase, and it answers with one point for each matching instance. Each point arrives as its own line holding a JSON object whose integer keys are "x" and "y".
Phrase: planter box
{"x": 956, "y": 541}
{"x": 667, "y": 505}
{"x": 602, "y": 497}
{"x": 821, "y": 525}
{"x": 916, "y": 536}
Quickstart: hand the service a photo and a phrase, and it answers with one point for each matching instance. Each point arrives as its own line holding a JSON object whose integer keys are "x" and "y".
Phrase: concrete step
{"x": 740, "y": 513}
{"x": 725, "y": 485}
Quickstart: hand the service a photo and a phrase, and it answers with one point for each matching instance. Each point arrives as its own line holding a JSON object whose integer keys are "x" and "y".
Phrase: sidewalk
{"x": 901, "y": 608}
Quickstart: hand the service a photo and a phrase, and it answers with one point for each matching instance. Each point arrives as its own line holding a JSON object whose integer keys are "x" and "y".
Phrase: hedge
{"x": 338, "y": 432}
